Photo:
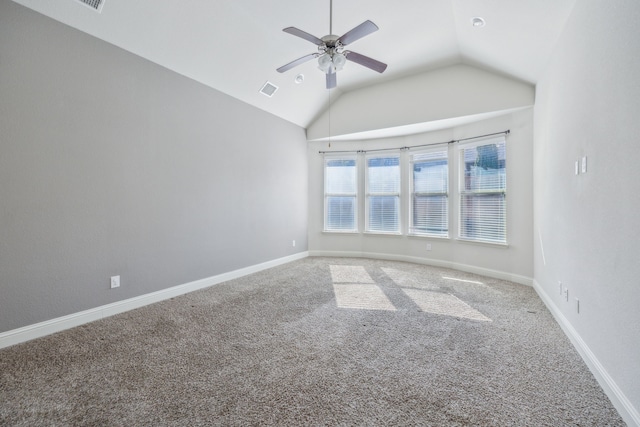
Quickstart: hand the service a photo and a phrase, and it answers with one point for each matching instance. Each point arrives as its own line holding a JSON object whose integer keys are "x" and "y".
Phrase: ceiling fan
{"x": 331, "y": 53}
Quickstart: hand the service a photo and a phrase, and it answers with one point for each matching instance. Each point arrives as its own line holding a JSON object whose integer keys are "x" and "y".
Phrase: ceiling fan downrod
{"x": 330, "y": 16}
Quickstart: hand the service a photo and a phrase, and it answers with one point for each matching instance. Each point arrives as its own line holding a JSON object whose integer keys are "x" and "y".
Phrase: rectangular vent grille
{"x": 268, "y": 89}
{"x": 93, "y": 4}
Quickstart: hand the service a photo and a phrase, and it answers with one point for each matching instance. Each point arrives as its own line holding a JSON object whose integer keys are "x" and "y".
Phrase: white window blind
{"x": 383, "y": 194}
{"x": 430, "y": 193}
{"x": 340, "y": 193}
{"x": 483, "y": 190}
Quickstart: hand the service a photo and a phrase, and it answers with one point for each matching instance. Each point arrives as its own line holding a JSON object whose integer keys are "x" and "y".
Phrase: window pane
{"x": 430, "y": 177}
{"x": 430, "y": 215}
{"x": 340, "y": 213}
{"x": 383, "y": 213}
{"x": 484, "y": 167}
{"x": 384, "y": 175}
{"x": 340, "y": 176}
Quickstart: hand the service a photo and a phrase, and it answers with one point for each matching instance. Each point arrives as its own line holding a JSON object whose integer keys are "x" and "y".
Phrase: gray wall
{"x": 112, "y": 165}
{"x": 587, "y": 227}
{"x": 513, "y": 262}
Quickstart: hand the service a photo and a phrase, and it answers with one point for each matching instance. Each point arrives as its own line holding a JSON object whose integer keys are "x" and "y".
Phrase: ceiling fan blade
{"x": 366, "y": 28}
{"x": 297, "y": 62}
{"x": 365, "y": 61}
{"x": 332, "y": 80}
{"x": 304, "y": 35}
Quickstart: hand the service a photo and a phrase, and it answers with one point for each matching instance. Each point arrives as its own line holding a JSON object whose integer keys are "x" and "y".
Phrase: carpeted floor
{"x": 320, "y": 341}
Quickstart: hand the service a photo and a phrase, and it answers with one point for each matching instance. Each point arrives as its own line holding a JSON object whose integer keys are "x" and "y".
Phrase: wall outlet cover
{"x": 115, "y": 282}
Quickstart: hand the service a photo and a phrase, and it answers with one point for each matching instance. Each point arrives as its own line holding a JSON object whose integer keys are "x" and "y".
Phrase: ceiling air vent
{"x": 268, "y": 89}
{"x": 93, "y": 4}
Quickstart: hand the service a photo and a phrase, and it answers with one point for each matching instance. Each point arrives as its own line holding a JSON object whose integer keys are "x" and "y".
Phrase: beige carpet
{"x": 320, "y": 341}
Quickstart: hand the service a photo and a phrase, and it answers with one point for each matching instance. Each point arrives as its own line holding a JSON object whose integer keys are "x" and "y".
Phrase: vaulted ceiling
{"x": 236, "y": 46}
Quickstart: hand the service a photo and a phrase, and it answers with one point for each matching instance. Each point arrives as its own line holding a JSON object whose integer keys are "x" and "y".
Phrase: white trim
{"x": 496, "y": 274}
{"x": 38, "y": 330}
{"x": 626, "y": 409}
{"x": 487, "y": 243}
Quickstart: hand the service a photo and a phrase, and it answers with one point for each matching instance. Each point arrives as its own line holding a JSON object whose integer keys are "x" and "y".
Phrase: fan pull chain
{"x": 329, "y": 119}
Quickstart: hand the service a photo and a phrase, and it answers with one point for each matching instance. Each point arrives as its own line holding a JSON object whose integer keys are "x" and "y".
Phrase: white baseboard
{"x": 624, "y": 406}
{"x": 38, "y": 330}
{"x": 523, "y": 280}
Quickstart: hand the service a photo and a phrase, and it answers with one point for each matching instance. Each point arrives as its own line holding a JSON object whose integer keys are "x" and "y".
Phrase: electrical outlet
{"x": 294, "y": 244}
{"x": 584, "y": 165}
{"x": 565, "y": 293}
{"x": 428, "y": 246}
{"x": 115, "y": 282}
{"x": 560, "y": 287}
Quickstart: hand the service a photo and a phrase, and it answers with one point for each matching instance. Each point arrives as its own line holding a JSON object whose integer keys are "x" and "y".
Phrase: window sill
{"x": 428, "y": 236}
{"x": 379, "y": 233}
{"x": 484, "y": 243}
{"x": 340, "y": 232}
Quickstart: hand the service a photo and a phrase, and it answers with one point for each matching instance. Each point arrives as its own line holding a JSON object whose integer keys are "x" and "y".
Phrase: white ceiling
{"x": 235, "y": 46}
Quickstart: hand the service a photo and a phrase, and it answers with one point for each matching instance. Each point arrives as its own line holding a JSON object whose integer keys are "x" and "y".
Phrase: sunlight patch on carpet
{"x": 364, "y": 297}
{"x": 349, "y": 274}
{"x": 475, "y": 282}
{"x": 444, "y": 304}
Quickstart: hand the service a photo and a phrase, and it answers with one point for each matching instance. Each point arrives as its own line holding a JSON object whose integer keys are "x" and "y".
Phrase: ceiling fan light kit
{"x": 325, "y": 62}
{"x": 331, "y": 64}
{"x": 331, "y": 54}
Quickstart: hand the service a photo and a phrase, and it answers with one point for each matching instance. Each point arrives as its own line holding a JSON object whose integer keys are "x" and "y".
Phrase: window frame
{"x": 355, "y": 195}
{"x": 464, "y": 194}
{"x": 411, "y": 161}
{"x": 388, "y": 154}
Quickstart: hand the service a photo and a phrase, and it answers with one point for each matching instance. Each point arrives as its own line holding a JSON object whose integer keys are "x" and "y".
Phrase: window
{"x": 483, "y": 185}
{"x": 340, "y": 194}
{"x": 383, "y": 194}
{"x": 429, "y": 194}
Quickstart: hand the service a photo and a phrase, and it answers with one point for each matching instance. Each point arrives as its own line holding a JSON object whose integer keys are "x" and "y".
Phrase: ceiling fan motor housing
{"x": 331, "y": 41}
